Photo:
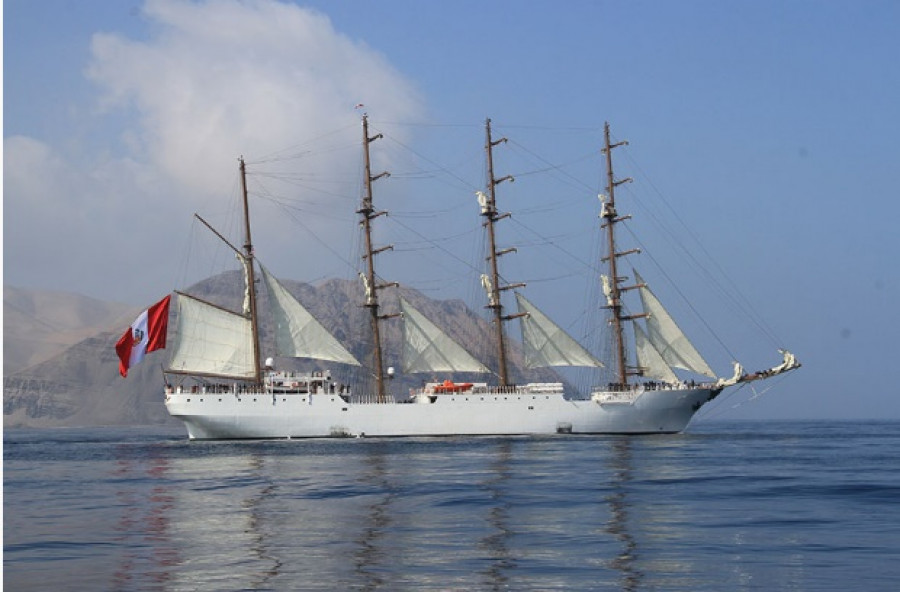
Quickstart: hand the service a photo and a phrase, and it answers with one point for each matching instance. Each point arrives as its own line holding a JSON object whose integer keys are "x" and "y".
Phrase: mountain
{"x": 37, "y": 325}
{"x": 79, "y": 384}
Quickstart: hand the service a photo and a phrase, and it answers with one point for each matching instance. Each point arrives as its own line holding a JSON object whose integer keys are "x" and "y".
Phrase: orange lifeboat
{"x": 449, "y": 386}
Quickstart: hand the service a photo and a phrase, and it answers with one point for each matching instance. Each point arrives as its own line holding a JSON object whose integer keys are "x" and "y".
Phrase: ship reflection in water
{"x": 477, "y": 514}
{"x": 364, "y": 515}
{"x": 495, "y": 543}
{"x": 619, "y": 464}
{"x": 142, "y": 528}
{"x": 712, "y": 510}
{"x": 370, "y": 560}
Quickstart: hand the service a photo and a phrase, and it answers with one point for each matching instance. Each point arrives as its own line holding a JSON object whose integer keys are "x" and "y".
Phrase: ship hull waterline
{"x": 225, "y": 416}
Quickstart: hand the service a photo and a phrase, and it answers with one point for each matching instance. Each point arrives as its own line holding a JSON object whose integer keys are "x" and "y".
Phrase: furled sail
{"x": 297, "y": 333}
{"x": 546, "y": 344}
{"x": 426, "y": 348}
{"x": 790, "y": 362}
{"x": 245, "y": 268}
{"x": 607, "y": 290}
{"x": 649, "y": 359}
{"x": 667, "y": 338}
{"x": 211, "y": 341}
{"x": 736, "y": 378}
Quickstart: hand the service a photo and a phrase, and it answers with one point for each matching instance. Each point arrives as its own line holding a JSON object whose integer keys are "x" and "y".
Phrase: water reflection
{"x": 369, "y": 516}
{"x": 625, "y": 562}
{"x": 220, "y": 520}
{"x": 142, "y": 527}
{"x": 377, "y": 519}
{"x": 374, "y": 515}
{"x": 496, "y": 543}
{"x": 259, "y": 543}
{"x": 91, "y": 510}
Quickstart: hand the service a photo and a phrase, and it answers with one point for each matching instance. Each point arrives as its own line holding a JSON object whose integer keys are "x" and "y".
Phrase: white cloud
{"x": 225, "y": 77}
{"x": 213, "y": 80}
{"x": 43, "y": 199}
{"x": 73, "y": 228}
{"x": 31, "y": 168}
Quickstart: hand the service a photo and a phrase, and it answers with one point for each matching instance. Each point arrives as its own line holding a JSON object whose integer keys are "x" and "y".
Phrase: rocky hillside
{"x": 80, "y": 386}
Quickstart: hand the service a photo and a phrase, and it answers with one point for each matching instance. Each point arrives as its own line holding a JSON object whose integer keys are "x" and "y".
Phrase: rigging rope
{"x": 734, "y": 294}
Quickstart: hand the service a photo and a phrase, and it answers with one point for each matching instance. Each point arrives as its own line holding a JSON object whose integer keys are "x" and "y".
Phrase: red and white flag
{"x": 147, "y": 333}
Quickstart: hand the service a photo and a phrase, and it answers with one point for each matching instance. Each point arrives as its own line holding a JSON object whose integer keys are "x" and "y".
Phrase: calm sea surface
{"x": 726, "y": 506}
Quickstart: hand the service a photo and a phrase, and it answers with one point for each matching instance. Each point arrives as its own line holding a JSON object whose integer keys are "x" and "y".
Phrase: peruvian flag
{"x": 147, "y": 333}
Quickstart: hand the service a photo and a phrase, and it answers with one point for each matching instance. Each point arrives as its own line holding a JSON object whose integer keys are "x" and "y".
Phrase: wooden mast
{"x": 489, "y": 211}
{"x": 368, "y": 213}
{"x": 611, "y": 218}
{"x": 251, "y": 282}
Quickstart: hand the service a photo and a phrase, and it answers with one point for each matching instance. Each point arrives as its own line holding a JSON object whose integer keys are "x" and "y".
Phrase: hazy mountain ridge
{"x": 81, "y": 386}
{"x": 38, "y": 325}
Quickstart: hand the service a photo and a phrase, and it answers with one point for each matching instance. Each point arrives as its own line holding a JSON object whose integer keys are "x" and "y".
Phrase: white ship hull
{"x": 229, "y": 415}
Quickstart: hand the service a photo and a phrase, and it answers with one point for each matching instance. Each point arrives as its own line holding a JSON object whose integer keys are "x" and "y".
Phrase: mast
{"x": 251, "y": 282}
{"x": 610, "y": 217}
{"x": 368, "y": 213}
{"x": 489, "y": 211}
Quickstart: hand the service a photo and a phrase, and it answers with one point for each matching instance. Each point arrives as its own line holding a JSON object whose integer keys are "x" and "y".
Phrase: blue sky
{"x": 769, "y": 128}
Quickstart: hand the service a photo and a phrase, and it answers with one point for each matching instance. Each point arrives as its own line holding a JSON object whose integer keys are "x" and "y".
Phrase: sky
{"x": 762, "y": 134}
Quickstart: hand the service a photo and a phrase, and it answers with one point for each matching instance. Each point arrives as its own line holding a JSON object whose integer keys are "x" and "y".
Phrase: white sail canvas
{"x": 297, "y": 333}
{"x": 546, "y": 344}
{"x": 649, "y": 359}
{"x": 667, "y": 337}
{"x": 211, "y": 341}
{"x": 426, "y": 348}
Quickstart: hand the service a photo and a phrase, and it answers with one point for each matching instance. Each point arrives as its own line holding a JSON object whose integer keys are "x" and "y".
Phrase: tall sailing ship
{"x": 219, "y": 387}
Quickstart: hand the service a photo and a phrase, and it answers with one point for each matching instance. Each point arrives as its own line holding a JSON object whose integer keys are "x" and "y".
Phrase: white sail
{"x": 428, "y": 349}
{"x": 211, "y": 341}
{"x": 667, "y": 338}
{"x": 297, "y": 333}
{"x": 649, "y": 359}
{"x": 546, "y": 344}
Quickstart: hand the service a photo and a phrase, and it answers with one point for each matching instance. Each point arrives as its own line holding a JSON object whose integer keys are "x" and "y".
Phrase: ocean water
{"x": 725, "y": 506}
